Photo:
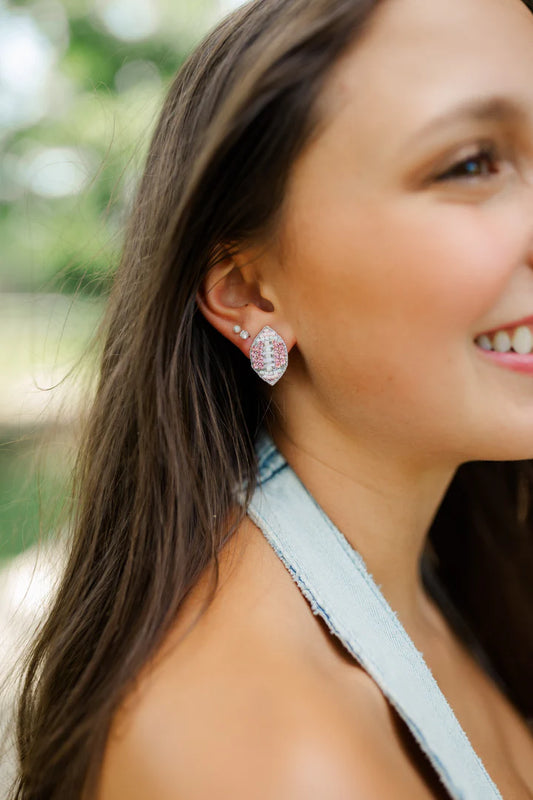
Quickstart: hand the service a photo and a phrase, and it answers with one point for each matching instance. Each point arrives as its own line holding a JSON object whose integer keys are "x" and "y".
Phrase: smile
{"x": 510, "y": 346}
{"x": 518, "y": 339}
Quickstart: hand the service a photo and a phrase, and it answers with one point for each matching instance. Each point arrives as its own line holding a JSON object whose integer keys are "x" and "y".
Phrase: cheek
{"x": 390, "y": 273}
{"x": 385, "y": 294}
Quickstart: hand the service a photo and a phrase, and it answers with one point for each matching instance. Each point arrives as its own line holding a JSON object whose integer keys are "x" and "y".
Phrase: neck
{"x": 383, "y": 506}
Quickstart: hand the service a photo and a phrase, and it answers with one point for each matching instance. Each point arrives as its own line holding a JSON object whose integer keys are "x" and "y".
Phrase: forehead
{"x": 418, "y": 57}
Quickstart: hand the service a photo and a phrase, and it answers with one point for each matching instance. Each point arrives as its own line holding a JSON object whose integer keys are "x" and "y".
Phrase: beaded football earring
{"x": 268, "y": 354}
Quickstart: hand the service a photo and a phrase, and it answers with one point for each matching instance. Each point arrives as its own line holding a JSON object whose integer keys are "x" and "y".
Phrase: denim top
{"x": 333, "y": 577}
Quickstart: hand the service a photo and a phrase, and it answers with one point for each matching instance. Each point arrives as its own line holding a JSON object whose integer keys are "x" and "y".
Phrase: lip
{"x": 510, "y": 360}
{"x": 517, "y": 362}
{"x": 507, "y": 326}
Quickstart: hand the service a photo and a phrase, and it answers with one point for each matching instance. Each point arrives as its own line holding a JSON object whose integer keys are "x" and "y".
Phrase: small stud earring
{"x": 243, "y": 334}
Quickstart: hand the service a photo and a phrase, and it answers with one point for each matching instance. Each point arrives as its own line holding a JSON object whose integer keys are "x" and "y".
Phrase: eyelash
{"x": 484, "y": 153}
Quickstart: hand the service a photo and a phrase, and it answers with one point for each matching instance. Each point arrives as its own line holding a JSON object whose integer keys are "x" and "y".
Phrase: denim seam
{"x": 272, "y": 471}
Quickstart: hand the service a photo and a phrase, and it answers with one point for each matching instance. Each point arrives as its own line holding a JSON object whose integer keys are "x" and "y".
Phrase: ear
{"x": 231, "y": 294}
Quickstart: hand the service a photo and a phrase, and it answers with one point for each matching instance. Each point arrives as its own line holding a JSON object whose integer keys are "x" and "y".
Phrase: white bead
{"x": 244, "y": 334}
{"x": 236, "y": 329}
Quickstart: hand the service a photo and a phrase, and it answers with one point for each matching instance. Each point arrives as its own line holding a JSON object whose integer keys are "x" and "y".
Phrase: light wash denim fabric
{"x": 334, "y": 579}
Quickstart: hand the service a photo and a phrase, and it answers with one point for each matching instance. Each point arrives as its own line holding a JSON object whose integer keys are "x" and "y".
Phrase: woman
{"x": 314, "y": 416}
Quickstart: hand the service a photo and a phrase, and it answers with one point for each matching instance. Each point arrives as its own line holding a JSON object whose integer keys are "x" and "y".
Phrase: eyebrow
{"x": 488, "y": 109}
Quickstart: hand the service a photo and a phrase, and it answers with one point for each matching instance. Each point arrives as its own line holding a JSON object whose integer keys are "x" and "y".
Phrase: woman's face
{"x": 408, "y": 231}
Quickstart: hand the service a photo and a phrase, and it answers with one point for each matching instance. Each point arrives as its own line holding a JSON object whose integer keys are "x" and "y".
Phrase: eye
{"x": 481, "y": 164}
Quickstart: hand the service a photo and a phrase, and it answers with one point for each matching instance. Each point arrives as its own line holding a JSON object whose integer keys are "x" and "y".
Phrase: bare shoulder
{"x": 255, "y": 730}
{"x": 255, "y": 703}
{"x": 257, "y": 736}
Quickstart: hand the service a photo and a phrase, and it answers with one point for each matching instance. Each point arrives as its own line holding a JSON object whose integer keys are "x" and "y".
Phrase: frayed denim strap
{"x": 334, "y": 579}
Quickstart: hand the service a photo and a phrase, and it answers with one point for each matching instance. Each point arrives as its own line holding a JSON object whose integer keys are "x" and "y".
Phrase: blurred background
{"x": 81, "y": 84}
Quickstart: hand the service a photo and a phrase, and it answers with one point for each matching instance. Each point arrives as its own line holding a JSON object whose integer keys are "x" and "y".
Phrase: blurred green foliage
{"x": 71, "y": 242}
{"x": 81, "y": 85}
{"x": 32, "y": 492}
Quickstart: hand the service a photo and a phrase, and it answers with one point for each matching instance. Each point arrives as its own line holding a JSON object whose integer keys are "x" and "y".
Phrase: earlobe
{"x": 231, "y": 300}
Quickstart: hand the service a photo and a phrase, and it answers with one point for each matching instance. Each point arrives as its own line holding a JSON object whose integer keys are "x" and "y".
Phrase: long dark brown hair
{"x": 177, "y": 410}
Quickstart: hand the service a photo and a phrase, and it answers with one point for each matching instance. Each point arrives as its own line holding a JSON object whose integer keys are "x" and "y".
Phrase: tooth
{"x": 522, "y": 340}
{"x": 501, "y": 342}
{"x": 484, "y": 342}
